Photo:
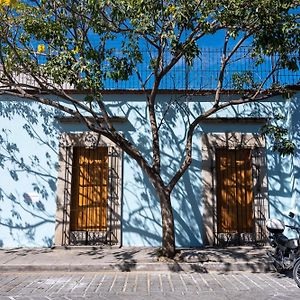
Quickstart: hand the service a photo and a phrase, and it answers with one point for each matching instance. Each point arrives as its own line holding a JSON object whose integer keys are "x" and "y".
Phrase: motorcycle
{"x": 286, "y": 254}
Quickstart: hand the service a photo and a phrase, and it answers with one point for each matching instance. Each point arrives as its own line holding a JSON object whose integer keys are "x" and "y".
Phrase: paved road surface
{"x": 147, "y": 285}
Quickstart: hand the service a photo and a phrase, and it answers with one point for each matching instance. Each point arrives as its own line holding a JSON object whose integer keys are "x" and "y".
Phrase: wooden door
{"x": 234, "y": 191}
{"x": 89, "y": 189}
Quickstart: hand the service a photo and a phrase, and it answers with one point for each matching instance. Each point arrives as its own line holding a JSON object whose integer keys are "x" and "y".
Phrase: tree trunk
{"x": 168, "y": 232}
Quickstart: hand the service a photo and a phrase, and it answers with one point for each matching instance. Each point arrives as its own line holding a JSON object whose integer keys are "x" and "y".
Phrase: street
{"x": 147, "y": 285}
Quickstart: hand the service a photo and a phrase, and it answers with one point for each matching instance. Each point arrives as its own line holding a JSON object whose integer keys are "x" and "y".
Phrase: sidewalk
{"x": 89, "y": 259}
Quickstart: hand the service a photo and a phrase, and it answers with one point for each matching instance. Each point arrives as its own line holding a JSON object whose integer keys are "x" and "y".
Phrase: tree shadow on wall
{"x": 28, "y": 211}
{"x": 294, "y": 129}
{"x": 28, "y": 164}
{"x": 142, "y": 217}
{"x": 284, "y": 172}
{"x": 187, "y": 197}
{"x": 273, "y": 198}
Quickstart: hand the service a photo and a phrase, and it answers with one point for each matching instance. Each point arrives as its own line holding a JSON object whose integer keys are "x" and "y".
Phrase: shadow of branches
{"x": 28, "y": 166}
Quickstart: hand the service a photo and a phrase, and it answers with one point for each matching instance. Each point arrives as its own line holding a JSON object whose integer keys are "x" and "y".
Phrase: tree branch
{"x": 225, "y": 61}
{"x": 188, "y": 148}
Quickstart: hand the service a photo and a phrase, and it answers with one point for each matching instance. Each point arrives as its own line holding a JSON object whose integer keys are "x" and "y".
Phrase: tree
{"x": 62, "y": 41}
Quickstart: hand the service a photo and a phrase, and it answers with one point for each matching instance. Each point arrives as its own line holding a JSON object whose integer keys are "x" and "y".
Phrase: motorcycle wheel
{"x": 296, "y": 272}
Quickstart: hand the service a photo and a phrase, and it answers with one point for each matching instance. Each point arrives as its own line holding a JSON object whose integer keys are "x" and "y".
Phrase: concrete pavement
{"x": 89, "y": 259}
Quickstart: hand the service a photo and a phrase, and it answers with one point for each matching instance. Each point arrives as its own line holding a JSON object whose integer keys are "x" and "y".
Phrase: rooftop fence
{"x": 203, "y": 74}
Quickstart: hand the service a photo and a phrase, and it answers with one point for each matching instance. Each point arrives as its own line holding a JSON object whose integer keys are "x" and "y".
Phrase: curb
{"x": 254, "y": 267}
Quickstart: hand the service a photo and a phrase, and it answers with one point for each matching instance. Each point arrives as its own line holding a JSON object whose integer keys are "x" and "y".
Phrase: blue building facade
{"x": 39, "y": 146}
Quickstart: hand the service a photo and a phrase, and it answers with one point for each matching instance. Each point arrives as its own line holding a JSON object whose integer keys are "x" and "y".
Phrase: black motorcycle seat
{"x": 281, "y": 239}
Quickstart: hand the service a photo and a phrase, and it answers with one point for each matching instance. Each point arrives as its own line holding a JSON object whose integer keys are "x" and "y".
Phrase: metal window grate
{"x": 91, "y": 196}
{"x": 260, "y": 194}
{"x": 259, "y": 205}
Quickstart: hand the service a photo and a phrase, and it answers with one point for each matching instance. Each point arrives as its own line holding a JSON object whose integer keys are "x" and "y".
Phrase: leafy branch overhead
{"x": 74, "y": 39}
{"x": 279, "y": 134}
{"x": 81, "y": 44}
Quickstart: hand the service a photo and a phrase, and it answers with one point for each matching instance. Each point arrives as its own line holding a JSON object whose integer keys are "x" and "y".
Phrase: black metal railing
{"x": 202, "y": 74}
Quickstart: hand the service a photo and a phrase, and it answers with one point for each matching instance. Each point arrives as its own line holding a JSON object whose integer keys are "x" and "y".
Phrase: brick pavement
{"x": 146, "y": 285}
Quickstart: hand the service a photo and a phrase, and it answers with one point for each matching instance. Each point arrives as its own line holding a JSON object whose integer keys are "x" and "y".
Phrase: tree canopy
{"x": 84, "y": 42}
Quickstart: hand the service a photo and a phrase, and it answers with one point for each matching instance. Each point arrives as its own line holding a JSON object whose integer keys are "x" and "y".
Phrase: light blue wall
{"x": 284, "y": 175}
{"x": 28, "y": 172}
{"x": 27, "y": 186}
{"x": 141, "y": 211}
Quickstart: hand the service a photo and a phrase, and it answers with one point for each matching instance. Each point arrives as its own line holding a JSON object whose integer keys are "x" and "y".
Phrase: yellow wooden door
{"x": 234, "y": 191}
{"x": 89, "y": 189}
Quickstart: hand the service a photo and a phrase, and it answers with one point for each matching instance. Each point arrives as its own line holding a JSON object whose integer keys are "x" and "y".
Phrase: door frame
{"x": 68, "y": 141}
{"x": 233, "y": 140}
